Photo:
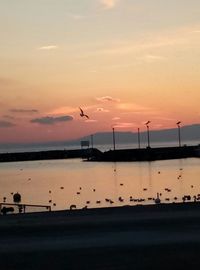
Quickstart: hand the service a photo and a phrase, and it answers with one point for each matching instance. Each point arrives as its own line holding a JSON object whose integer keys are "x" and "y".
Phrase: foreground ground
{"x": 142, "y": 237}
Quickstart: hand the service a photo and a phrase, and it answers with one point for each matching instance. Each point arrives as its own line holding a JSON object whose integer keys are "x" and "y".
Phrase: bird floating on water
{"x": 82, "y": 114}
{"x": 72, "y": 207}
{"x": 157, "y": 200}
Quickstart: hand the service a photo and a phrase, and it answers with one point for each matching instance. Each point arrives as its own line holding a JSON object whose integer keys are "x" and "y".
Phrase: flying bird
{"x": 82, "y": 114}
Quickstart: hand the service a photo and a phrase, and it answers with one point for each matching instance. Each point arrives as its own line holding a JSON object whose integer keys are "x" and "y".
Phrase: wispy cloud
{"x": 136, "y": 109}
{"x": 197, "y": 31}
{"x": 115, "y": 118}
{"x": 107, "y": 99}
{"x": 131, "y": 46}
{"x": 124, "y": 125}
{"x": 108, "y": 4}
{"x": 6, "y": 124}
{"x": 71, "y": 110}
{"x": 48, "y": 47}
{"x": 49, "y": 120}
{"x": 165, "y": 118}
{"x": 132, "y": 107}
{"x": 8, "y": 116}
{"x": 102, "y": 110}
{"x": 180, "y": 37}
{"x": 76, "y": 17}
{"x": 24, "y": 111}
{"x": 64, "y": 110}
{"x": 153, "y": 58}
{"x": 91, "y": 121}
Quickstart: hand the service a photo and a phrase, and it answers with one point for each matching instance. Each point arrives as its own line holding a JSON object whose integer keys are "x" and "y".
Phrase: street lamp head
{"x": 148, "y": 122}
{"x": 178, "y": 123}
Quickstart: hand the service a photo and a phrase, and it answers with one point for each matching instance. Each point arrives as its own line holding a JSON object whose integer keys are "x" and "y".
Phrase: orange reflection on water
{"x": 61, "y": 183}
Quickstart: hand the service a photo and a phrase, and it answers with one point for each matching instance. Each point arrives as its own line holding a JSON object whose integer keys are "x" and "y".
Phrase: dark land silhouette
{"x": 47, "y": 155}
{"x": 93, "y": 154}
{"x": 188, "y": 133}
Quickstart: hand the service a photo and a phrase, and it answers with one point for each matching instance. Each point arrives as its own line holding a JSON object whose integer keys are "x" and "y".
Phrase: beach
{"x": 138, "y": 237}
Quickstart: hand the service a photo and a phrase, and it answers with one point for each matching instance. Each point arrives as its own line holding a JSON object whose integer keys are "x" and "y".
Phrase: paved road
{"x": 146, "y": 237}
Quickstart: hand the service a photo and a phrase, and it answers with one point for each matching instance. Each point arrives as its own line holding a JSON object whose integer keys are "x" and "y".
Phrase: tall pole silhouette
{"x": 138, "y": 138}
{"x": 113, "y": 138}
{"x": 92, "y": 141}
{"x": 179, "y": 133}
{"x": 148, "y": 137}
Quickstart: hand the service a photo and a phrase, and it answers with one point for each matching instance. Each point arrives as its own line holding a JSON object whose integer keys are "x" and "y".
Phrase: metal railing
{"x": 17, "y": 208}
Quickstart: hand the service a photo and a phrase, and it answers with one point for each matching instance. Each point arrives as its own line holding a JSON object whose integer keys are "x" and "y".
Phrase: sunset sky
{"x": 124, "y": 62}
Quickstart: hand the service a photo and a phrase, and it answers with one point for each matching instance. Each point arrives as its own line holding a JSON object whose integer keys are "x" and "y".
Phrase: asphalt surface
{"x": 143, "y": 237}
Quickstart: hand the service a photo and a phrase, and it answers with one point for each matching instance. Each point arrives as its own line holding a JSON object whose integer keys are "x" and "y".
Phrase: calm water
{"x": 98, "y": 181}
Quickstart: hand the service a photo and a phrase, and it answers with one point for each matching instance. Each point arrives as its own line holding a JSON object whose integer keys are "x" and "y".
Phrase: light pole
{"x": 113, "y": 138}
{"x": 138, "y": 138}
{"x": 148, "y": 138}
{"x": 92, "y": 141}
{"x": 179, "y": 133}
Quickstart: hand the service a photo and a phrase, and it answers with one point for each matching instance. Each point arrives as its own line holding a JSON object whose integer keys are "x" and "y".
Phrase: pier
{"x": 93, "y": 154}
{"x": 49, "y": 155}
{"x": 149, "y": 154}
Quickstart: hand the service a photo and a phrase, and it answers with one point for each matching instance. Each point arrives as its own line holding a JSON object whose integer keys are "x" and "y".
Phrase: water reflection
{"x": 63, "y": 183}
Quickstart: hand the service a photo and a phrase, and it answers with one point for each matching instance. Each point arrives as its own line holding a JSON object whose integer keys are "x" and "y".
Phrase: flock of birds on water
{"x": 160, "y": 197}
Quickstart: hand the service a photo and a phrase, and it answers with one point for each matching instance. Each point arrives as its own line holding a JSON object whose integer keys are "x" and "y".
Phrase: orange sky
{"x": 122, "y": 61}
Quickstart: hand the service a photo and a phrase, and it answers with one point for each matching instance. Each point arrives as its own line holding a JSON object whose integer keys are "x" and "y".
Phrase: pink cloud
{"x": 115, "y": 118}
{"x": 102, "y": 110}
{"x": 91, "y": 121}
{"x": 108, "y": 99}
{"x": 132, "y": 107}
{"x": 124, "y": 125}
{"x": 63, "y": 110}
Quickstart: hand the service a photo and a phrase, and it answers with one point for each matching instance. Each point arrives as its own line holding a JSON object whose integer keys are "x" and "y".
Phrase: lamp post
{"x": 138, "y": 138}
{"x": 92, "y": 141}
{"x": 148, "y": 138}
{"x": 179, "y": 133}
{"x": 113, "y": 138}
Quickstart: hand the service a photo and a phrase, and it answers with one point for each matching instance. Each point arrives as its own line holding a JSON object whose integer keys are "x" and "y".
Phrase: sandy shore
{"x": 157, "y": 236}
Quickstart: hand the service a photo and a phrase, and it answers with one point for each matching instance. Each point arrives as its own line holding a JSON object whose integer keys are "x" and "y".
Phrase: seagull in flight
{"x": 82, "y": 114}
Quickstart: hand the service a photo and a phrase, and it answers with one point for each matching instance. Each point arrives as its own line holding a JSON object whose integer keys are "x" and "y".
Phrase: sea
{"x": 77, "y": 184}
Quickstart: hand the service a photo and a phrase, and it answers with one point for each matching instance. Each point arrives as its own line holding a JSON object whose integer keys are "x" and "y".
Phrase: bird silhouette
{"x": 157, "y": 200}
{"x": 72, "y": 207}
{"x": 82, "y": 114}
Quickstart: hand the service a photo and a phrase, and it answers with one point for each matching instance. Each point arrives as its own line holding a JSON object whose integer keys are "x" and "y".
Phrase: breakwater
{"x": 48, "y": 155}
{"x": 149, "y": 154}
{"x": 93, "y": 154}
